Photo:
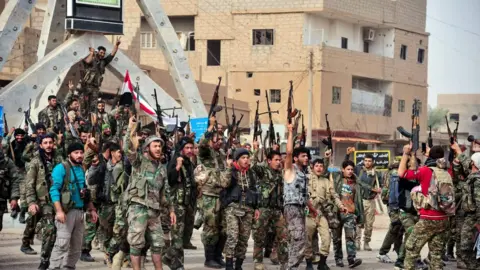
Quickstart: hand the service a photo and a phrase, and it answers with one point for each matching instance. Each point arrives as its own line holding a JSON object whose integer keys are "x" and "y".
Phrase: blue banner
{"x": 199, "y": 126}
{"x": 2, "y": 127}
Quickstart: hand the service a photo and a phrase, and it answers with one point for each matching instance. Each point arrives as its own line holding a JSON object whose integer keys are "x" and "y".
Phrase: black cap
{"x": 241, "y": 152}
{"x": 74, "y": 147}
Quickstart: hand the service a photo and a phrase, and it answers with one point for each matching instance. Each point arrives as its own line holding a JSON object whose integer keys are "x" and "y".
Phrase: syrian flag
{"x": 144, "y": 106}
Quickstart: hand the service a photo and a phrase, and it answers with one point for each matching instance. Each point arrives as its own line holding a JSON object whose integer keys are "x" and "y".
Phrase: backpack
{"x": 394, "y": 191}
{"x": 441, "y": 194}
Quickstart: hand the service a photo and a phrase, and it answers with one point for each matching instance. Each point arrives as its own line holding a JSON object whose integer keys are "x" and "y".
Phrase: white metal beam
{"x": 53, "y": 28}
{"x": 34, "y": 81}
{"x": 173, "y": 52}
{"x": 12, "y": 19}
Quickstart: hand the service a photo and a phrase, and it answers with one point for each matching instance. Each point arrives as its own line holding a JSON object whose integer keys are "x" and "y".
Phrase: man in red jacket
{"x": 432, "y": 226}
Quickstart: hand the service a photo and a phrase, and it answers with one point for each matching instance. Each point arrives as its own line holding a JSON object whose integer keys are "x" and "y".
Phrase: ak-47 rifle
{"x": 69, "y": 124}
{"x": 214, "y": 107}
{"x": 278, "y": 138}
{"x": 28, "y": 121}
{"x": 415, "y": 135}
{"x": 304, "y": 134}
{"x": 271, "y": 129}
{"x": 158, "y": 110}
{"x": 116, "y": 99}
{"x": 430, "y": 139}
{"x": 227, "y": 117}
{"x": 256, "y": 124}
{"x": 328, "y": 141}
{"x": 5, "y": 126}
{"x": 291, "y": 112}
{"x": 296, "y": 123}
{"x": 187, "y": 127}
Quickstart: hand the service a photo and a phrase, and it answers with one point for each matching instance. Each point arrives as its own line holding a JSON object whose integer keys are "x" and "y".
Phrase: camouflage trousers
{"x": 88, "y": 99}
{"x": 369, "y": 209}
{"x": 45, "y": 220}
{"x": 318, "y": 224}
{"x": 408, "y": 221}
{"x": 347, "y": 223}
{"x": 426, "y": 231}
{"x": 106, "y": 221}
{"x": 22, "y": 185}
{"x": 239, "y": 226}
{"x": 120, "y": 230}
{"x": 144, "y": 227}
{"x": 270, "y": 218}
{"x": 394, "y": 235}
{"x": 89, "y": 234}
{"x": 212, "y": 220}
{"x": 199, "y": 213}
{"x": 467, "y": 241}
{"x": 459, "y": 220}
{"x": 175, "y": 252}
{"x": 451, "y": 235}
{"x": 295, "y": 218}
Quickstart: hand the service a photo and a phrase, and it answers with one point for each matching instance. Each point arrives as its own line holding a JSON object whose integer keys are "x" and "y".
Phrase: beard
{"x": 152, "y": 155}
{"x": 76, "y": 162}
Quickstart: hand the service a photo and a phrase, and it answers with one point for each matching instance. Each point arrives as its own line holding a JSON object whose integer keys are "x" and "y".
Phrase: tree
{"x": 436, "y": 117}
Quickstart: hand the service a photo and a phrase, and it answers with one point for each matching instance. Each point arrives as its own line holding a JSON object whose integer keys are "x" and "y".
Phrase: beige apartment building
{"x": 368, "y": 59}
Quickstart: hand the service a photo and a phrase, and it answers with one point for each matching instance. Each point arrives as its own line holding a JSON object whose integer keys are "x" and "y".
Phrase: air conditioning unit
{"x": 369, "y": 34}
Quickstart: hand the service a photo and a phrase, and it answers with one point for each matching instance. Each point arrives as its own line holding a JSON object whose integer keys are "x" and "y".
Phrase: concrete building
{"x": 368, "y": 59}
{"x": 462, "y": 108}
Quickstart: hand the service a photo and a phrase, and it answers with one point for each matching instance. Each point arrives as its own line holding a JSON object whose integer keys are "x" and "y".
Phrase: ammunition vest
{"x": 296, "y": 191}
{"x": 242, "y": 190}
{"x": 44, "y": 179}
{"x": 271, "y": 189}
{"x": 147, "y": 184}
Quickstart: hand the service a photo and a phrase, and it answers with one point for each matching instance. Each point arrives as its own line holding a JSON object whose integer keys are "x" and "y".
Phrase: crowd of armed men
{"x": 82, "y": 173}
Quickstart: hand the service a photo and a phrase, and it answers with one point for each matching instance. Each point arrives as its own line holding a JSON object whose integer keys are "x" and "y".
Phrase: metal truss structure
{"x": 56, "y": 57}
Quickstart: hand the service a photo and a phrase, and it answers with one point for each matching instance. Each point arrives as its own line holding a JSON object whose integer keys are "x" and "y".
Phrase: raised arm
{"x": 130, "y": 141}
{"x": 288, "y": 170}
{"x": 89, "y": 58}
{"x": 115, "y": 48}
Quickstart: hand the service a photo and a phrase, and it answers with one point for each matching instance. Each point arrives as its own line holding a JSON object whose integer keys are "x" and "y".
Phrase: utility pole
{"x": 310, "y": 97}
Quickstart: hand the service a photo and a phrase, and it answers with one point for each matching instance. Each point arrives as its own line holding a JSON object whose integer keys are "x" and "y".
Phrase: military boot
{"x": 339, "y": 263}
{"x": 357, "y": 245}
{"x": 366, "y": 246}
{"x": 44, "y": 265}
{"x": 229, "y": 264}
{"x": 27, "y": 249}
{"x": 217, "y": 256}
{"x": 309, "y": 265}
{"x": 274, "y": 257}
{"x": 238, "y": 264}
{"x": 86, "y": 257}
{"x": 189, "y": 246}
{"x": 210, "y": 258}
{"x": 117, "y": 261}
{"x": 322, "y": 264}
{"x": 353, "y": 262}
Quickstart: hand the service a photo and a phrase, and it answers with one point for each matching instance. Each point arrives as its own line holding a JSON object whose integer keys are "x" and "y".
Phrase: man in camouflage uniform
{"x": 240, "y": 199}
{"x": 9, "y": 185}
{"x": 38, "y": 182}
{"x": 212, "y": 161}
{"x": 323, "y": 198}
{"x": 182, "y": 192}
{"x": 460, "y": 173}
{"x": 51, "y": 115}
{"x": 394, "y": 235}
{"x": 270, "y": 211}
{"x": 471, "y": 207}
{"x": 107, "y": 175}
{"x": 95, "y": 64}
{"x": 145, "y": 195}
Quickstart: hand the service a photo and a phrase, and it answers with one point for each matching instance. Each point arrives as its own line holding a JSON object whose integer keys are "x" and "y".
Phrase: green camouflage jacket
{"x": 50, "y": 117}
{"x": 9, "y": 181}
{"x": 148, "y": 180}
{"x": 38, "y": 180}
{"x": 269, "y": 186}
{"x": 207, "y": 173}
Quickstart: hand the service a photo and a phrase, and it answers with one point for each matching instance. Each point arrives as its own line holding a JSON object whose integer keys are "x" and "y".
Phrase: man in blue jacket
{"x": 69, "y": 197}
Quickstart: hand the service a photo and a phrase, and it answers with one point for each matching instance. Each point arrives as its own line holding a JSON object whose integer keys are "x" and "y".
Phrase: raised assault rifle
{"x": 414, "y": 136}
{"x": 328, "y": 141}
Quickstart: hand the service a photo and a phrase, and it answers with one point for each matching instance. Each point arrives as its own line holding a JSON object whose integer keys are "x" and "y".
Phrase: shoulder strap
{"x": 66, "y": 178}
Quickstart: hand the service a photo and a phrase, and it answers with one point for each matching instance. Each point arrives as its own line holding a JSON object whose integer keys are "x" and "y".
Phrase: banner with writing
{"x": 199, "y": 126}
{"x": 380, "y": 157}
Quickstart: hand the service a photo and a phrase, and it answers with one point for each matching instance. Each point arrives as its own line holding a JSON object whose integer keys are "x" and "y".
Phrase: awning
{"x": 350, "y": 139}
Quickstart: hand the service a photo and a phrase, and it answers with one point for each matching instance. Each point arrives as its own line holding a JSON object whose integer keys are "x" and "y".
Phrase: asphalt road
{"x": 12, "y": 259}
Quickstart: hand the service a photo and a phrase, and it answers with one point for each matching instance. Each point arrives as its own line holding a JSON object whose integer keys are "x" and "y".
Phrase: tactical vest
{"x": 44, "y": 180}
{"x": 242, "y": 190}
{"x": 183, "y": 190}
{"x": 296, "y": 191}
{"x": 147, "y": 184}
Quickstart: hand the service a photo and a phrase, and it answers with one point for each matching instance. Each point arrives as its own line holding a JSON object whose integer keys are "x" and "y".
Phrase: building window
{"x": 148, "y": 40}
{"x": 262, "y": 36}
{"x": 366, "y": 47}
{"x": 344, "y": 43}
{"x": 401, "y": 105}
{"x": 190, "y": 42}
{"x": 336, "y": 95}
{"x": 256, "y": 92}
{"x": 249, "y": 74}
{"x": 454, "y": 117}
{"x": 275, "y": 95}
{"x": 403, "y": 52}
{"x": 420, "y": 56}
{"x": 213, "y": 52}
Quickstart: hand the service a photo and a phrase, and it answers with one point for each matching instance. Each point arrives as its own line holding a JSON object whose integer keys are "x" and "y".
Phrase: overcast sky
{"x": 454, "y": 49}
